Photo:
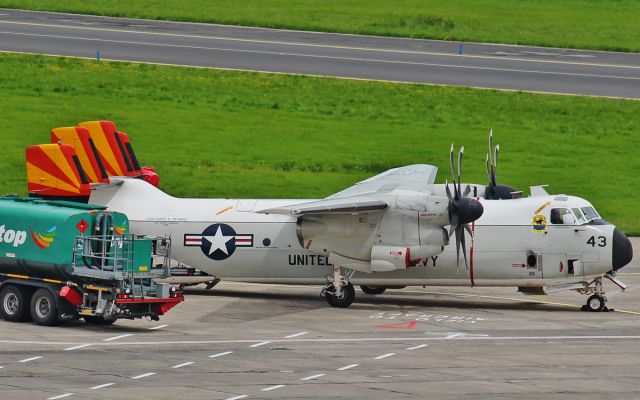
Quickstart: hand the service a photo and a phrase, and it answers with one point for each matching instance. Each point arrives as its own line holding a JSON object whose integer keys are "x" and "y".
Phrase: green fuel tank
{"x": 37, "y": 236}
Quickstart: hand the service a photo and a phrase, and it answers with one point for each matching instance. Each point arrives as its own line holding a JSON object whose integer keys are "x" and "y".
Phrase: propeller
{"x": 462, "y": 210}
{"x": 494, "y": 191}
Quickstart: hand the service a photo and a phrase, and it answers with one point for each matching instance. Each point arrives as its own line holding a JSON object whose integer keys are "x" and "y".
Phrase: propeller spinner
{"x": 462, "y": 210}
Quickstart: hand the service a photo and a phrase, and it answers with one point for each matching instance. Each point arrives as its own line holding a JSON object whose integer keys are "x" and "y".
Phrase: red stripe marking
{"x": 37, "y": 157}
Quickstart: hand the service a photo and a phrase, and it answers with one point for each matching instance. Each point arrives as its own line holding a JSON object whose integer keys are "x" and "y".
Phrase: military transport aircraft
{"x": 390, "y": 230}
{"x": 395, "y": 229}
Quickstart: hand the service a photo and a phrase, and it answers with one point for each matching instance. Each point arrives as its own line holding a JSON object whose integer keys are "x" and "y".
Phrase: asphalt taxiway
{"x": 259, "y": 341}
{"x": 506, "y": 67}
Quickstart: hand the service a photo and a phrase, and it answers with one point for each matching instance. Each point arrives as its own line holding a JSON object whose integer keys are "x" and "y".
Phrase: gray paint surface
{"x": 349, "y": 56}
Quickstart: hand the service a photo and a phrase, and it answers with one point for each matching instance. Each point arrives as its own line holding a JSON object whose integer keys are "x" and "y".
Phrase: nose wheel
{"x": 597, "y": 301}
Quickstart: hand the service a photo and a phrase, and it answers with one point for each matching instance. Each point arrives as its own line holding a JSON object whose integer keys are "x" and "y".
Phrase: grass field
{"x": 233, "y": 134}
{"x": 587, "y": 24}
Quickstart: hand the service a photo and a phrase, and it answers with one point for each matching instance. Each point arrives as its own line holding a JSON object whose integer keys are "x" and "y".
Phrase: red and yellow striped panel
{"x": 80, "y": 138}
{"x": 54, "y": 170}
{"x": 105, "y": 136}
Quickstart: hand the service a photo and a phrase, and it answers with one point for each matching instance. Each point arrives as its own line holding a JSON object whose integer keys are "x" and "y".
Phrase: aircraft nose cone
{"x": 468, "y": 210}
{"x": 622, "y": 252}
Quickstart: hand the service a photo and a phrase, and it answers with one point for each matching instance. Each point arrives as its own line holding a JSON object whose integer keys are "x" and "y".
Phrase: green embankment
{"x": 587, "y": 24}
{"x": 233, "y": 134}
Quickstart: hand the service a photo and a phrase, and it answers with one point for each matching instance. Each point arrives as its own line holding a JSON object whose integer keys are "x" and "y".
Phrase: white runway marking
{"x": 270, "y": 388}
{"x": 454, "y": 335}
{"x": 308, "y": 378}
{"x": 81, "y": 346}
{"x": 30, "y": 359}
{"x": 62, "y": 396}
{"x": 143, "y": 375}
{"x": 183, "y": 364}
{"x": 260, "y": 344}
{"x": 220, "y": 354}
{"x": 242, "y": 396}
{"x": 102, "y": 386}
{"x": 158, "y": 327}
{"x": 295, "y": 335}
{"x": 346, "y": 367}
{"x": 417, "y": 347}
{"x": 385, "y": 356}
{"x": 117, "y": 337}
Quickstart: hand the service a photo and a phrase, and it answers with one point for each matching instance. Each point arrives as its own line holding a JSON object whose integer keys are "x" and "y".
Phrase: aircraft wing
{"x": 349, "y": 205}
{"x": 411, "y": 177}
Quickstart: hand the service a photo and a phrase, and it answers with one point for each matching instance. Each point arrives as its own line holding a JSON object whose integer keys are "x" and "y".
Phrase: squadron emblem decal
{"x": 218, "y": 241}
{"x": 539, "y": 223}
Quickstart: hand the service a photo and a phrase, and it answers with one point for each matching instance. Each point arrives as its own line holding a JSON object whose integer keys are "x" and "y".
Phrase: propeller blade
{"x": 460, "y": 155}
{"x": 467, "y": 190}
{"x": 495, "y": 164}
{"x": 488, "y": 169}
{"x": 458, "y": 247}
{"x": 453, "y": 175}
{"x": 448, "y": 190}
{"x": 454, "y": 223}
{"x": 466, "y": 226}
{"x": 464, "y": 247}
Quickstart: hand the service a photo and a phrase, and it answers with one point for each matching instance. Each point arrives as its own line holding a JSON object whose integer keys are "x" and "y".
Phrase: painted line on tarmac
{"x": 117, "y": 337}
{"x": 183, "y": 364}
{"x": 312, "y": 377}
{"x": 346, "y": 367}
{"x": 220, "y": 354}
{"x": 274, "y": 387}
{"x": 296, "y": 335}
{"x": 62, "y": 396}
{"x": 158, "y": 327}
{"x": 317, "y": 56}
{"x": 26, "y": 360}
{"x": 325, "y": 46}
{"x": 421, "y": 346}
{"x": 80, "y": 346}
{"x": 143, "y": 375}
{"x": 104, "y": 385}
{"x": 242, "y": 396}
{"x": 345, "y": 340}
{"x": 348, "y": 78}
{"x": 383, "y": 356}
{"x": 260, "y": 344}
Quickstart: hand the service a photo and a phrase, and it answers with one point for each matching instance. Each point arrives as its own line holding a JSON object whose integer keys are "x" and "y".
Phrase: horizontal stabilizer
{"x": 349, "y": 205}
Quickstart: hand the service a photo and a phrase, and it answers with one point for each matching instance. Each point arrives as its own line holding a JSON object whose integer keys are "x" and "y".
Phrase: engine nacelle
{"x": 390, "y": 258}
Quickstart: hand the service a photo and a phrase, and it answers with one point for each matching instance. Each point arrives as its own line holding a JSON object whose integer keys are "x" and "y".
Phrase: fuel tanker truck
{"x": 61, "y": 260}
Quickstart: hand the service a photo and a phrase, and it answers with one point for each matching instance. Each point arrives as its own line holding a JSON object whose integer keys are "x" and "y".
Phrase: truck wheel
{"x": 13, "y": 303}
{"x": 373, "y": 289}
{"x": 43, "y": 308}
{"x": 93, "y": 320}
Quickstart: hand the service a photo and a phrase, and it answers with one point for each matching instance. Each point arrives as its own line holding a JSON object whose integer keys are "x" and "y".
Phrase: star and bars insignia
{"x": 218, "y": 241}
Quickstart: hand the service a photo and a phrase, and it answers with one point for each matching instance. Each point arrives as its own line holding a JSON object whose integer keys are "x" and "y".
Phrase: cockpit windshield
{"x": 580, "y": 218}
{"x": 590, "y": 213}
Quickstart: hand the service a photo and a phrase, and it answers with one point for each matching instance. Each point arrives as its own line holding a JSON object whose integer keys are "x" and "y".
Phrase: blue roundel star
{"x": 218, "y": 241}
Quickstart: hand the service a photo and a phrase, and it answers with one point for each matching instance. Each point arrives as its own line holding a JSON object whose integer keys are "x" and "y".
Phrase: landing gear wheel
{"x": 344, "y": 300}
{"x": 94, "y": 320}
{"x": 13, "y": 303}
{"x": 595, "y": 303}
{"x": 43, "y": 308}
{"x": 373, "y": 289}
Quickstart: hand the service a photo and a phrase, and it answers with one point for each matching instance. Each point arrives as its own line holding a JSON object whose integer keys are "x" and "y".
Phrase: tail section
{"x": 80, "y": 138}
{"x": 54, "y": 172}
{"x": 81, "y": 156}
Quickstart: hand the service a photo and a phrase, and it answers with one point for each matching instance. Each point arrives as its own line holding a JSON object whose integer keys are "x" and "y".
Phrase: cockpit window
{"x": 581, "y": 218}
{"x": 562, "y": 216}
{"x": 590, "y": 213}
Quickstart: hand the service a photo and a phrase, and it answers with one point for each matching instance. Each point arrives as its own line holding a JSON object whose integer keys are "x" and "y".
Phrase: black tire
{"x": 595, "y": 303}
{"x": 348, "y": 295}
{"x": 14, "y": 303}
{"x": 373, "y": 289}
{"x": 95, "y": 320}
{"x": 44, "y": 310}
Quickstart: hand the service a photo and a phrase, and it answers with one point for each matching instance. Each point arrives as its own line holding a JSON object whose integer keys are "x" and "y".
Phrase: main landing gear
{"x": 338, "y": 291}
